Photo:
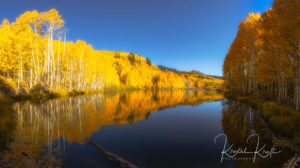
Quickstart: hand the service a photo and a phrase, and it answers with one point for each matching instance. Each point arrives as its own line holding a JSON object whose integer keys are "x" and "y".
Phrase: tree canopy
{"x": 264, "y": 60}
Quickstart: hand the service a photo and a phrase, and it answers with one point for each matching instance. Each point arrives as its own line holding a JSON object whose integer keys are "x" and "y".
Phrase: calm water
{"x": 145, "y": 128}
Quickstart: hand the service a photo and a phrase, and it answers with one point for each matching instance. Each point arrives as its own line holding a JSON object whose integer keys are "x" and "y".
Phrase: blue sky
{"x": 182, "y": 34}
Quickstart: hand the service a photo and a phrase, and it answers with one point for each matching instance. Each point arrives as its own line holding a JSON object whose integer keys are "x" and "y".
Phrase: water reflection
{"x": 7, "y": 125}
{"x": 35, "y": 134}
{"x": 239, "y": 121}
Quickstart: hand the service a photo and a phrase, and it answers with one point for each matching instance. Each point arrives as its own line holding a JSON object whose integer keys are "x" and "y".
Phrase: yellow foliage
{"x": 34, "y": 54}
{"x": 263, "y": 60}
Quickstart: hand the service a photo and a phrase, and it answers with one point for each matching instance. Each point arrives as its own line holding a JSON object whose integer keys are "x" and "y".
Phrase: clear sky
{"x": 182, "y": 34}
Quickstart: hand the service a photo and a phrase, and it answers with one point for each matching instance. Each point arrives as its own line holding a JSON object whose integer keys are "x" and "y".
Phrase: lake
{"x": 147, "y": 128}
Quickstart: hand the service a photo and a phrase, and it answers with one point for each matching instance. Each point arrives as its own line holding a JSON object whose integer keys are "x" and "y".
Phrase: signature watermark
{"x": 228, "y": 153}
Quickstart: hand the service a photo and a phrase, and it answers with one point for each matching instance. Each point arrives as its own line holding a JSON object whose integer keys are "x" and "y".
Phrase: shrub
{"x": 155, "y": 81}
{"x": 123, "y": 78}
{"x": 148, "y": 61}
{"x": 131, "y": 58}
{"x": 283, "y": 120}
{"x": 39, "y": 89}
{"x": 5, "y": 88}
{"x": 270, "y": 109}
{"x": 117, "y": 55}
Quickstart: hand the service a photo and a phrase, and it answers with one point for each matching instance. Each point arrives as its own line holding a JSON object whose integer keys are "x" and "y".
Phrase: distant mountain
{"x": 195, "y": 71}
{"x": 165, "y": 68}
{"x": 215, "y": 76}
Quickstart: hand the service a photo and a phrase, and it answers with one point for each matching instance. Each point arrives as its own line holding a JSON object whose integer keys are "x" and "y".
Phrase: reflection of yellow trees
{"x": 239, "y": 122}
{"x": 7, "y": 125}
{"x": 126, "y": 108}
{"x": 73, "y": 119}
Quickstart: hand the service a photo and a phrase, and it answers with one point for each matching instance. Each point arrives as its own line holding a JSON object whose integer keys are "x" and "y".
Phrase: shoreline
{"x": 270, "y": 112}
{"x": 8, "y": 99}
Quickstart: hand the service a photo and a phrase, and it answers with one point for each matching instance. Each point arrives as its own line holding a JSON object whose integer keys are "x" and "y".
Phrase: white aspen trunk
{"x": 52, "y": 65}
{"x": 58, "y": 66}
{"x": 44, "y": 68}
{"x": 37, "y": 73}
{"x": 38, "y": 64}
{"x": 71, "y": 77}
{"x": 80, "y": 70}
{"x": 63, "y": 57}
{"x": 48, "y": 59}
{"x": 33, "y": 60}
{"x": 31, "y": 78}
{"x": 53, "y": 58}
{"x": 20, "y": 76}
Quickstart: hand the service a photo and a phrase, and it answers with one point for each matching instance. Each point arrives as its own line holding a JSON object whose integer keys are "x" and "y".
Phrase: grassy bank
{"x": 41, "y": 96}
{"x": 284, "y": 121}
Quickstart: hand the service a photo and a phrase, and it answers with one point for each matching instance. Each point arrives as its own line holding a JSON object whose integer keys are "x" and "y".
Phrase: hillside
{"x": 127, "y": 70}
{"x": 36, "y": 58}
